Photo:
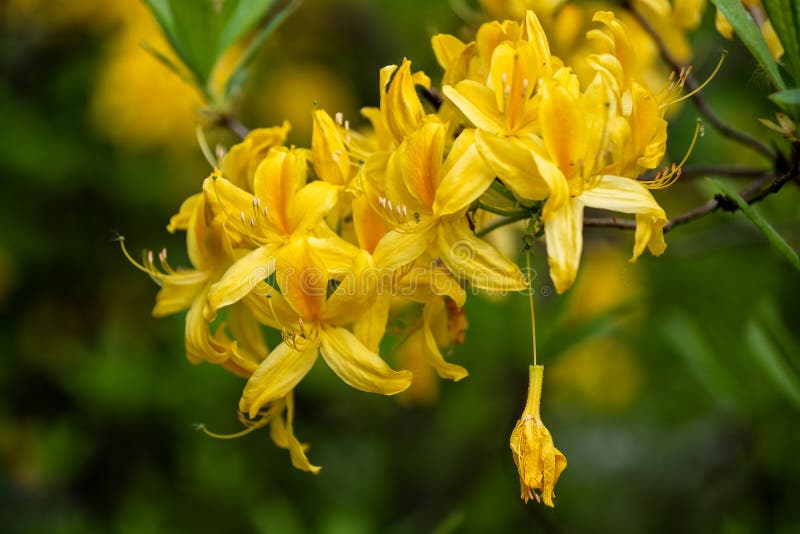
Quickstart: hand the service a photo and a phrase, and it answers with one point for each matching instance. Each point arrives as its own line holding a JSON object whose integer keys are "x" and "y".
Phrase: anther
{"x": 339, "y": 117}
{"x": 504, "y": 78}
{"x": 241, "y": 216}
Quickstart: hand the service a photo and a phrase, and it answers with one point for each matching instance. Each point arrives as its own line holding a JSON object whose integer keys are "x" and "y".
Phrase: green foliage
{"x": 200, "y": 31}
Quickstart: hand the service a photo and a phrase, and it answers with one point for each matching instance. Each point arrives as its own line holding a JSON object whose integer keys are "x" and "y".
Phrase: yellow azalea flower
{"x": 425, "y": 199}
{"x": 188, "y": 288}
{"x": 538, "y": 461}
{"x": 314, "y": 323}
{"x": 281, "y": 206}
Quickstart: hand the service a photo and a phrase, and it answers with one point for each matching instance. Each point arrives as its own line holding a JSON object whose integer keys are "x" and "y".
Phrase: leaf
{"x": 201, "y": 30}
{"x": 243, "y": 18}
{"x": 785, "y": 18}
{"x": 745, "y": 27}
{"x": 772, "y": 363}
{"x": 788, "y": 100}
{"x": 273, "y": 20}
{"x": 771, "y": 234}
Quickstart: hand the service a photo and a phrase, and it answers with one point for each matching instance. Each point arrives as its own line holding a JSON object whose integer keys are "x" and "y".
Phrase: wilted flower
{"x": 538, "y": 461}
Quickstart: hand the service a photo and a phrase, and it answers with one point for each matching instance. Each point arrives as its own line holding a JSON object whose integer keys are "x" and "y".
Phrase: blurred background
{"x": 670, "y": 384}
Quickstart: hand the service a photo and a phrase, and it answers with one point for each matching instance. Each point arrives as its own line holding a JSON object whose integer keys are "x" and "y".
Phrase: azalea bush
{"x": 366, "y": 245}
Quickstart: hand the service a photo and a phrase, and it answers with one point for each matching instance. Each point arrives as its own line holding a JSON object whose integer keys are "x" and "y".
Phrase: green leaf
{"x": 200, "y": 31}
{"x": 785, "y": 18}
{"x": 746, "y": 29}
{"x": 787, "y": 98}
{"x": 273, "y": 20}
{"x": 772, "y": 363}
{"x": 762, "y": 224}
{"x": 242, "y": 19}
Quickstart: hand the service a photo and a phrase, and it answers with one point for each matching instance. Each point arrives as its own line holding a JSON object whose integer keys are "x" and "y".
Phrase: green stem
{"x": 489, "y": 228}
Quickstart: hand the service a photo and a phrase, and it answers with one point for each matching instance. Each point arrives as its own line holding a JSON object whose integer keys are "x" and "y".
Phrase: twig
{"x": 691, "y": 84}
{"x": 489, "y": 228}
{"x": 232, "y": 123}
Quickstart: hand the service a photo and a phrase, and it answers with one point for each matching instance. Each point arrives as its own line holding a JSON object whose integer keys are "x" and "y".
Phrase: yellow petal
{"x": 446, "y": 48}
{"x": 369, "y": 226}
{"x": 467, "y": 176}
{"x": 241, "y": 161}
{"x": 311, "y": 204}
{"x": 477, "y": 103}
{"x": 564, "y": 236}
{"x": 241, "y": 278}
{"x": 277, "y": 375}
{"x": 252, "y": 348}
{"x": 178, "y": 291}
{"x": 371, "y": 326}
{"x": 512, "y": 161}
{"x": 399, "y": 248}
{"x": 534, "y": 33}
{"x": 419, "y": 159}
{"x": 276, "y": 182}
{"x": 403, "y": 110}
{"x": 617, "y": 193}
{"x": 563, "y": 128}
{"x": 302, "y": 278}
{"x": 200, "y": 344}
{"x": 474, "y": 260}
{"x": 432, "y": 313}
{"x": 359, "y": 367}
{"x": 331, "y": 160}
{"x": 180, "y": 221}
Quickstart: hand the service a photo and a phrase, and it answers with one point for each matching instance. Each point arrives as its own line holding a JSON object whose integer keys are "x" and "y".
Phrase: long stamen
{"x": 705, "y": 83}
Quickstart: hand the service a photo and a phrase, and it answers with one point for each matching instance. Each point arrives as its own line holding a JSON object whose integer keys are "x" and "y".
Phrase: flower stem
{"x": 530, "y": 301}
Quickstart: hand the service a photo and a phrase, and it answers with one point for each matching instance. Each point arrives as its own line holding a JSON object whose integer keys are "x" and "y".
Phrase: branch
{"x": 233, "y": 124}
{"x": 691, "y": 84}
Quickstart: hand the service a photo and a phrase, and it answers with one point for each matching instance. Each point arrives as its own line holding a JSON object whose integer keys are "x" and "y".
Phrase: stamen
{"x": 702, "y": 85}
{"x": 339, "y": 117}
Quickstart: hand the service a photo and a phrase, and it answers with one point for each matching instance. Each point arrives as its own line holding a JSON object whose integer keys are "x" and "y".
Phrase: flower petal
{"x": 359, "y": 367}
{"x": 477, "y": 103}
{"x": 277, "y": 375}
{"x": 467, "y": 178}
{"x": 476, "y": 261}
{"x": 241, "y": 278}
{"x": 564, "y": 236}
{"x": 430, "y": 315}
{"x": 399, "y": 248}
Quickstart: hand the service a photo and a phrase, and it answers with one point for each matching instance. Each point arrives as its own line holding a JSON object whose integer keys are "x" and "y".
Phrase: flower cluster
{"x": 325, "y": 244}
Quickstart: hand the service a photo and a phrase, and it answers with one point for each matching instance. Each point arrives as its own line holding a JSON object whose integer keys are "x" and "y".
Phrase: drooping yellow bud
{"x": 538, "y": 461}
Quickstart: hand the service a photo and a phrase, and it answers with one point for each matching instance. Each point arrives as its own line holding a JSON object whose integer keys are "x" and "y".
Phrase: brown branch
{"x": 691, "y": 84}
{"x": 727, "y": 171}
{"x": 234, "y": 125}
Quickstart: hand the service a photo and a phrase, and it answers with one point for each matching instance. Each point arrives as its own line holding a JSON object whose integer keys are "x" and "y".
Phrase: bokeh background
{"x": 669, "y": 384}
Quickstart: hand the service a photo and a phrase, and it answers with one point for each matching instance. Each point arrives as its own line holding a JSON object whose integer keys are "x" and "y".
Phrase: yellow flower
{"x": 281, "y": 206}
{"x": 424, "y": 197}
{"x": 187, "y": 289}
{"x": 538, "y": 461}
{"x": 314, "y": 323}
